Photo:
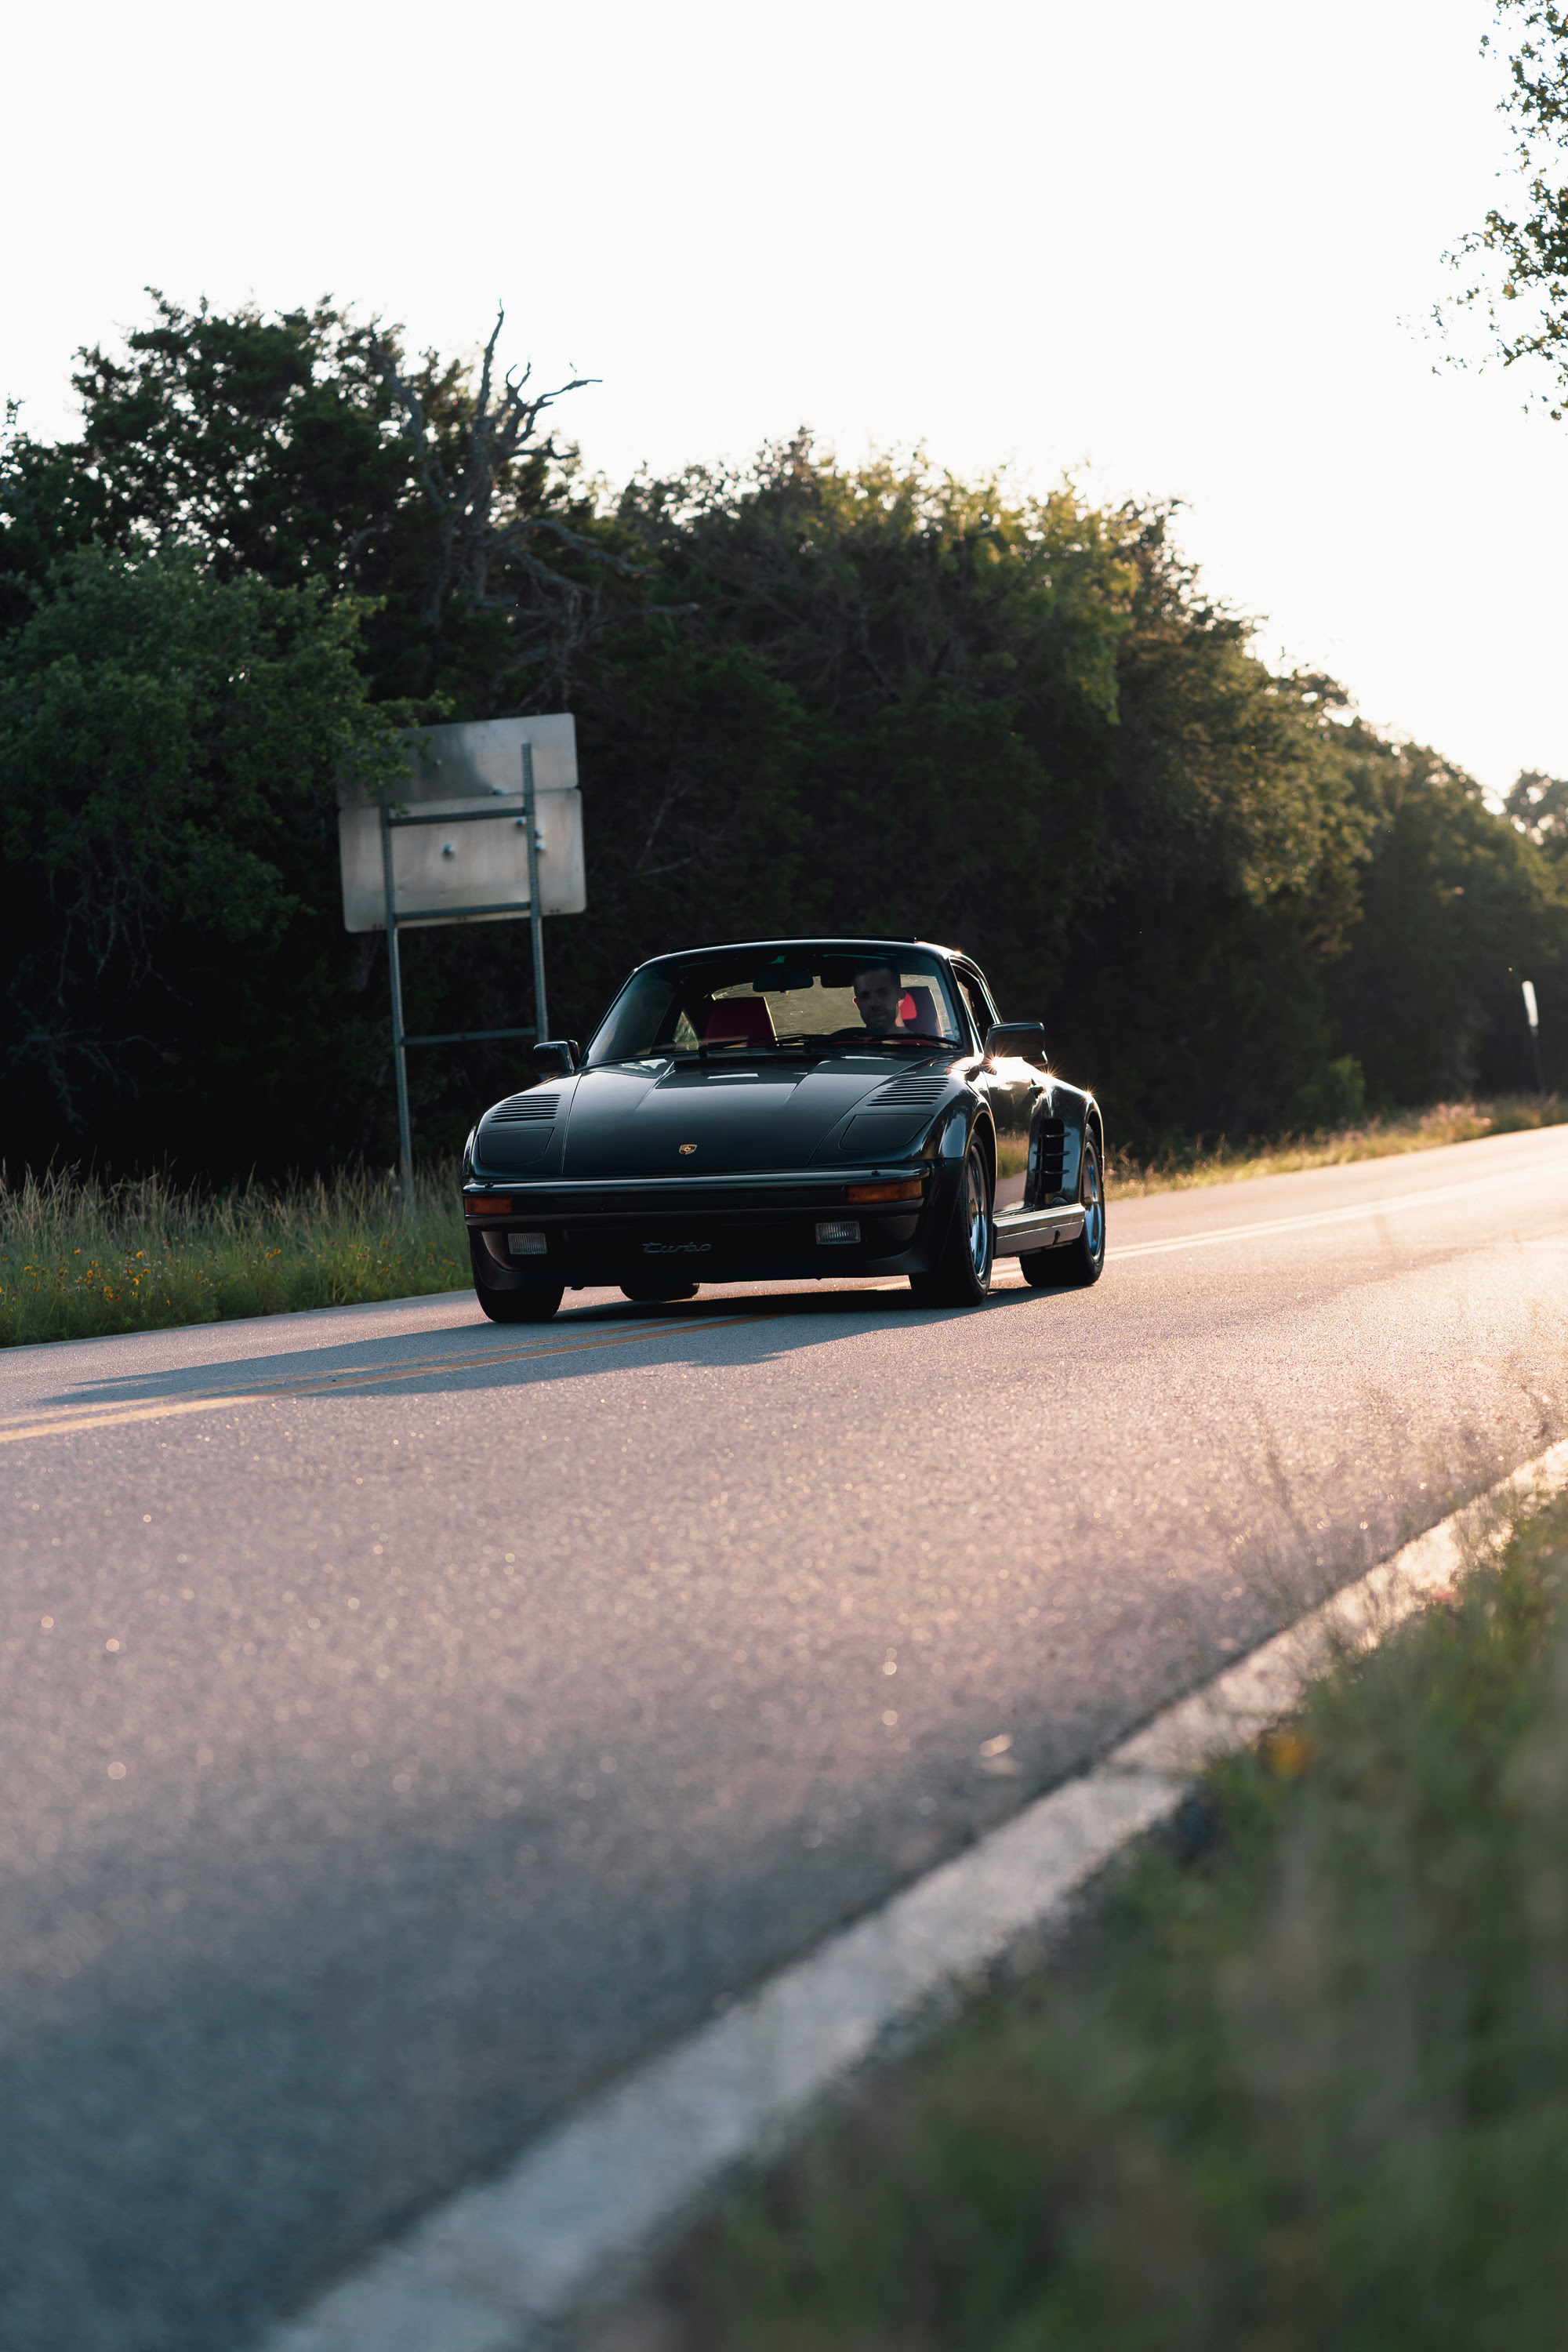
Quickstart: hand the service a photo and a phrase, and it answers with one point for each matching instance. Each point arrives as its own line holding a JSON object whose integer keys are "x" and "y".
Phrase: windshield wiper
{"x": 740, "y": 1047}
{"x": 744, "y": 1050}
{"x": 921, "y": 1037}
{"x": 904, "y": 1037}
{"x": 744, "y": 1047}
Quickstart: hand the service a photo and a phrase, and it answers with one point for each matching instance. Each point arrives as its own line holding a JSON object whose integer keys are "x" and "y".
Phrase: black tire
{"x": 521, "y": 1306}
{"x": 1078, "y": 1263}
{"x": 964, "y": 1277}
{"x": 656, "y": 1294}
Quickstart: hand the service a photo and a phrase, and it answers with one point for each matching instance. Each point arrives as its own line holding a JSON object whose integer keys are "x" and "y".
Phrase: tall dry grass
{"x": 1375, "y": 1139}
{"x": 79, "y": 1259}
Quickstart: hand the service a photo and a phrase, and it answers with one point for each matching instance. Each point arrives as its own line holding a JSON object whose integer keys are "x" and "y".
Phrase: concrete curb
{"x": 499, "y": 2268}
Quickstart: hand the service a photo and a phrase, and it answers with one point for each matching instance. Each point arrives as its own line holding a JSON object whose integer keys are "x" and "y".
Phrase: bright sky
{"x": 1183, "y": 250}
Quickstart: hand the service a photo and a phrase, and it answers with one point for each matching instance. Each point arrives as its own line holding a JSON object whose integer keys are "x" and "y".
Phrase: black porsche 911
{"x": 780, "y": 1111}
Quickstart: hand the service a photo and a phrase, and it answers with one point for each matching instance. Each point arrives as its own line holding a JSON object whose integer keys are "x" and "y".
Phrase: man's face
{"x": 876, "y": 996}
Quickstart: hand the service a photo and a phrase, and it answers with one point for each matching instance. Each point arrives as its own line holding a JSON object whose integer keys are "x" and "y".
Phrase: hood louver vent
{"x": 909, "y": 1094}
{"x": 517, "y": 1107}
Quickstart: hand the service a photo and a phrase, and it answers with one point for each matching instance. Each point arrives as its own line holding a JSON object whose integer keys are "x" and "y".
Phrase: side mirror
{"x": 555, "y": 1057}
{"x": 1023, "y": 1040}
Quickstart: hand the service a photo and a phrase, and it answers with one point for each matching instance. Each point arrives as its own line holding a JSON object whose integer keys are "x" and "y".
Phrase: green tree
{"x": 1023, "y": 728}
{"x": 1523, "y": 250}
{"x": 169, "y": 745}
{"x": 1457, "y": 904}
{"x": 806, "y": 694}
{"x": 305, "y": 446}
{"x": 1538, "y": 806}
{"x": 950, "y": 650}
{"x": 1197, "y": 994}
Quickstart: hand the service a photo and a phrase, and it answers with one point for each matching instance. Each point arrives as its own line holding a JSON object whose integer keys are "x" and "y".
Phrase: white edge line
{"x": 1437, "y": 1196}
{"x": 498, "y": 2268}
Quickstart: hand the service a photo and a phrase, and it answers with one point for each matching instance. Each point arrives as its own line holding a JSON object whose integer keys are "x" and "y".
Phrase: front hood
{"x": 621, "y": 1120}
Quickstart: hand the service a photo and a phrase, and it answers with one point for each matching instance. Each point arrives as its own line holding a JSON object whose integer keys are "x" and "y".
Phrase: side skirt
{"x": 1019, "y": 1230}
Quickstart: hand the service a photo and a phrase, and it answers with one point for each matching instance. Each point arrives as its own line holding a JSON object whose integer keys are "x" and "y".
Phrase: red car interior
{"x": 744, "y": 1018}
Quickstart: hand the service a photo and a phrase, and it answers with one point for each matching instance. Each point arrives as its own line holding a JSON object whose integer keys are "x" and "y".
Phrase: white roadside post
{"x": 412, "y": 859}
{"x": 1533, "y": 1015}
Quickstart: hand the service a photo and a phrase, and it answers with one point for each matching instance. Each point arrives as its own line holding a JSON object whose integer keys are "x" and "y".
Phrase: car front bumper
{"x": 713, "y": 1229}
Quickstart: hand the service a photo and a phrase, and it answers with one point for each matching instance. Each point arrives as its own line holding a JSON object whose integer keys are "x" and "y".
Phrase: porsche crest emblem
{"x": 687, "y": 1150}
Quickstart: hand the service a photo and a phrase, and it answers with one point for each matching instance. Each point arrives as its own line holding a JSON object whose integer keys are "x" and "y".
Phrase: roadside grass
{"x": 1376, "y": 1138}
{"x": 1299, "y": 2084}
{"x": 79, "y": 1259}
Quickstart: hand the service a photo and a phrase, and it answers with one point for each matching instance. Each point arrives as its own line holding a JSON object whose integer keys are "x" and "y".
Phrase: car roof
{"x": 799, "y": 939}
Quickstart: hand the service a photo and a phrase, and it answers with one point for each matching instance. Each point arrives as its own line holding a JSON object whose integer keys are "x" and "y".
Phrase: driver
{"x": 878, "y": 992}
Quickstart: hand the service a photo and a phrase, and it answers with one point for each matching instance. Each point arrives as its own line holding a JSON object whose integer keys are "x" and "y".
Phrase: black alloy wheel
{"x": 521, "y": 1306}
{"x": 1078, "y": 1263}
{"x": 656, "y": 1294}
{"x": 963, "y": 1279}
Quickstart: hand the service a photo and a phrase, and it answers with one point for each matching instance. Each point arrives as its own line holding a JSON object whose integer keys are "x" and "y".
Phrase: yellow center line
{"x": 66, "y": 1419}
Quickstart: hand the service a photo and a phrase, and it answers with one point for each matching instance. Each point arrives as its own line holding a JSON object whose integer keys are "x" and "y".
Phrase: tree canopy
{"x": 1521, "y": 248}
{"x": 859, "y": 697}
{"x": 168, "y": 747}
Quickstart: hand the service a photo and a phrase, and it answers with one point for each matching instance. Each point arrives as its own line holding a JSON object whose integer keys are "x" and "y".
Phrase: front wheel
{"x": 962, "y": 1276}
{"x": 521, "y": 1306}
{"x": 1082, "y": 1261}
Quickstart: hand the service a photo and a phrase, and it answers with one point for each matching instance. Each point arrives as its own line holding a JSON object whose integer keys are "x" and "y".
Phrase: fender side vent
{"x": 1050, "y": 1149}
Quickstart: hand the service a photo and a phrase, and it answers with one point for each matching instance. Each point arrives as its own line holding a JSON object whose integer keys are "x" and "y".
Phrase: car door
{"x": 1010, "y": 1086}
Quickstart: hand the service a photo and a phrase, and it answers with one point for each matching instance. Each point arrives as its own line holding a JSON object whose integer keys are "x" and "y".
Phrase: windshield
{"x": 799, "y": 997}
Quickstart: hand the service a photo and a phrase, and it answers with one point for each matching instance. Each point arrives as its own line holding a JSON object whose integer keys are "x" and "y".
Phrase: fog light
{"x": 526, "y": 1245}
{"x": 838, "y": 1229}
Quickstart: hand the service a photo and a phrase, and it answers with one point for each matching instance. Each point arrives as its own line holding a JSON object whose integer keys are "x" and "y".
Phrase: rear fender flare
{"x": 1094, "y": 1128}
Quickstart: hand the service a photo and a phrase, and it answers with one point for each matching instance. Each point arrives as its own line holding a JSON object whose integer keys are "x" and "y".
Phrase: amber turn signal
{"x": 479, "y": 1208}
{"x": 910, "y": 1190}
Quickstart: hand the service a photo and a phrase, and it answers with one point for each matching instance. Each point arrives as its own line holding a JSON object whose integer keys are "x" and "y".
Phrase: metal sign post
{"x": 1532, "y": 1014}
{"x": 400, "y": 1040}
{"x": 527, "y": 859}
{"x": 395, "y": 972}
{"x": 535, "y": 911}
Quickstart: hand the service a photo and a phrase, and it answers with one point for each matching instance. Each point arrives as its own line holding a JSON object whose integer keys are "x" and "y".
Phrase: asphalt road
{"x": 407, "y": 1722}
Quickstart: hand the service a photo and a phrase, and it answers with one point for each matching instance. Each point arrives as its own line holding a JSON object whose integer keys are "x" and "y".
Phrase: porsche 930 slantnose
{"x": 784, "y": 1110}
